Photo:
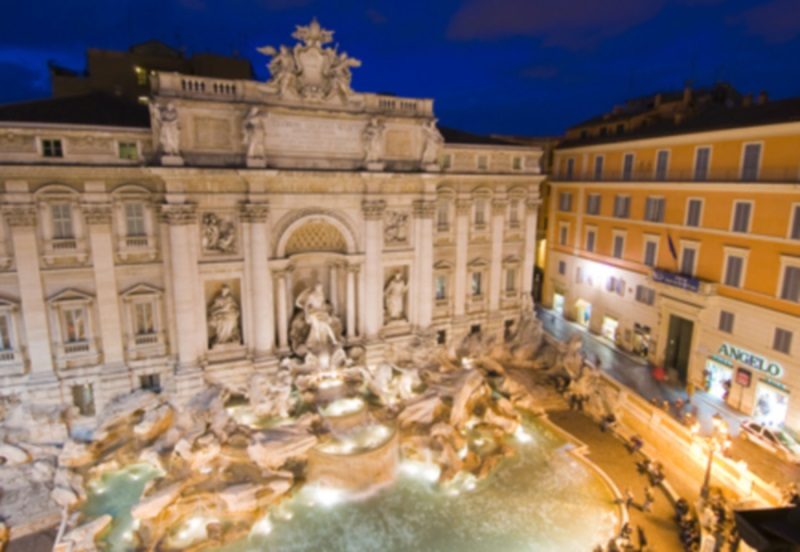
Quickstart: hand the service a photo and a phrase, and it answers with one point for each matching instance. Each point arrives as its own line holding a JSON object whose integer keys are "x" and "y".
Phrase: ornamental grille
{"x": 316, "y": 236}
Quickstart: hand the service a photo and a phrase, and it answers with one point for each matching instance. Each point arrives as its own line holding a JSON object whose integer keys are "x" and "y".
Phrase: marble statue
{"x": 223, "y": 318}
{"x": 433, "y": 143}
{"x": 394, "y": 297}
{"x": 218, "y": 235}
{"x": 254, "y": 132}
{"x": 395, "y": 227}
{"x": 317, "y": 316}
{"x": 309, "y": 70}
{"x": 169, "y": 129}
{"x": 372, "y": 139}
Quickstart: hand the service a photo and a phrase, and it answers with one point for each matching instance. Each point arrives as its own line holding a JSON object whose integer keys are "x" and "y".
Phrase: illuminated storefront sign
{"x": 676, "y": 280}
{"x": 750, "y": 359}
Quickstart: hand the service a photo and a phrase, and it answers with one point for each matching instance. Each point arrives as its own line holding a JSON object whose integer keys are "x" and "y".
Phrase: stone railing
{"x": 398, "y": 106}
{"x": 188, "y": 86}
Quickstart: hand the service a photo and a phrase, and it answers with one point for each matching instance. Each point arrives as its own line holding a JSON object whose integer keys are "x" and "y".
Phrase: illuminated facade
{"x": 167, "y": 248}
{"x": 681, "y": 242}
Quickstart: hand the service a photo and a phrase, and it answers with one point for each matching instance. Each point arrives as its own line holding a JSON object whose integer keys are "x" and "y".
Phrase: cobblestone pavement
{"x": 636, "y": 373}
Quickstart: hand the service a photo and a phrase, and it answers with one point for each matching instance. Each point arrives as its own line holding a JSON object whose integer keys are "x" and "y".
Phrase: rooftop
{"x": 93, "y": 109}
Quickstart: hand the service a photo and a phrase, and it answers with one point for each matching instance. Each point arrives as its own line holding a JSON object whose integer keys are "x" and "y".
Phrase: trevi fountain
{"x": 432, "y": 449}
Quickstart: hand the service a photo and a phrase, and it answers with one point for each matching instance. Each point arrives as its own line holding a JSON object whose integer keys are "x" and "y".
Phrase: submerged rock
{"x": 271, "y": 449}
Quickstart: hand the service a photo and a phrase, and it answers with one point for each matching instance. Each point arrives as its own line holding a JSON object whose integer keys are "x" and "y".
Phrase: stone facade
{"x": 182, "y": 265}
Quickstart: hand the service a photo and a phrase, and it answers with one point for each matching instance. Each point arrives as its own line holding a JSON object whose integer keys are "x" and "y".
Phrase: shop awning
{"x": 770, "y": 530}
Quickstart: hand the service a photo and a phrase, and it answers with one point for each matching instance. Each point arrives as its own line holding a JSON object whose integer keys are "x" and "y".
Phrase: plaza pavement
{"x": 636, "y": 373}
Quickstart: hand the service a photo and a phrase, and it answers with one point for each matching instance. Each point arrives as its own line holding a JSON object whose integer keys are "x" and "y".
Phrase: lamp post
{"x": 718, "y": 440}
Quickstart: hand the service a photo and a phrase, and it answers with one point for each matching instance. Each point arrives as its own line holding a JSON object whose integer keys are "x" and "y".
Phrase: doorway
{"x": 679, "y": 346}
{"x": 558, "y": 303}
{"x": 583, "y": 312}
{"x": 610, "y": 327}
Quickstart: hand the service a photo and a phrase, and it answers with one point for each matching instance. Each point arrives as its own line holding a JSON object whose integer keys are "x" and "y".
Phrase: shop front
{"x": 558, "y": 303}
{"x": 749, "y": 383}
{"x": 641, "y": 339}
{"x": 609, "y": 328}
{"x": 583, "y": 312}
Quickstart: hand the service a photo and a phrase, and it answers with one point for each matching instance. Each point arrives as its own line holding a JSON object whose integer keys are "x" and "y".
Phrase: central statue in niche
{"x": 314, "y": 326}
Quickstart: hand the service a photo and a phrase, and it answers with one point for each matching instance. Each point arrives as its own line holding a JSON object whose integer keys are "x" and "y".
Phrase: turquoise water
{"x": 115, "y": 493}
{"x": 541, "y": 499}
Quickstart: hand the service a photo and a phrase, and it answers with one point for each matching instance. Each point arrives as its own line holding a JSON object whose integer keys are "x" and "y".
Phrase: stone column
{"x": 423, "y": 262}
{"x": 22, "y": 221}
{"x": 352, "y": 272}
{"x": 499, "y": 207}
{"x": 463, "y": 206}
{"x": 333, "y": 281}
{"x": 254, "y": 215}
{"x": 529, "y": 259}
{"x": 373, "y": 265}
{"x": 182, "y": 220}
{"x": 282, "y": 306}
{"x": 98, "y": 218}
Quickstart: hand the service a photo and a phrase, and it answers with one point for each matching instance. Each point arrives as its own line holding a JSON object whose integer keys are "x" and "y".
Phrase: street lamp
{"x": 718, "y": 440}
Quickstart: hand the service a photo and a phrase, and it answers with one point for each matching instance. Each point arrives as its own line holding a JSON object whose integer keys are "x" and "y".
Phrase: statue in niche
{"x": 394, "y": 297}
{"x": 433, "y": 143}
{"x": 169, "y": 130}
{"x": 372, "y": 140}
{"x": 223, "y": 318}
{"x": 318, "y": 316}
{"x": 218, "y": 235}
{"x": 395, "y": 229}
{"x": 255, "y": 134}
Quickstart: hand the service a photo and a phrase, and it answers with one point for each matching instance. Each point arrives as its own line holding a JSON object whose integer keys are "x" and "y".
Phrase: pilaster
{"x": 254, "y": 216}
{"x": 373, "y": 265}
{"x": 529, "y": 258}
{"x": 463, "y": 206}
{"x": 499, "y": 207}
{"x": 423, "y": 262}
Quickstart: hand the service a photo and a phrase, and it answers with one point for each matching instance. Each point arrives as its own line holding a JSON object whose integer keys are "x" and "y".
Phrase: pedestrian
{"x": 649, "y": 499}
{"x": 689, "y": 392}
{"x": 635, "y": 444}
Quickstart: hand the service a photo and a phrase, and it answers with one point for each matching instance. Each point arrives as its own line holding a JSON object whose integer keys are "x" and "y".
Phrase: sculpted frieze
{"x": 219, "y": 234}
{"x": 395, "y": 228}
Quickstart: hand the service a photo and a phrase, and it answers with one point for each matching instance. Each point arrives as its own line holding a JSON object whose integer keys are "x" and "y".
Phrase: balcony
{"x": 791, "y": 176}
{"x": 683, "y": 282}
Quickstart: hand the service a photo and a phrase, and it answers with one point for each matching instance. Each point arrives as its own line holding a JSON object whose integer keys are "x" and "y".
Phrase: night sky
{"x": 508, "y": 66}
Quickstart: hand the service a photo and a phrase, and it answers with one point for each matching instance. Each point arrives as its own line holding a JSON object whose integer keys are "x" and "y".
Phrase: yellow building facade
{"x": 683, "y": 246}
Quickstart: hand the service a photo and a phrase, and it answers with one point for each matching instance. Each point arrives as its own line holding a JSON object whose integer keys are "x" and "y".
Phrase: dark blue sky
{"x": 509, "y": 66}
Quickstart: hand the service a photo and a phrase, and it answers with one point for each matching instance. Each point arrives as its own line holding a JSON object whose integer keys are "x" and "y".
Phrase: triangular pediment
{"x": 140, "y": 290}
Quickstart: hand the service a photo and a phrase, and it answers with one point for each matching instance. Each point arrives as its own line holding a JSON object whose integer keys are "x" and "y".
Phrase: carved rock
{"x": 153, "y": 505}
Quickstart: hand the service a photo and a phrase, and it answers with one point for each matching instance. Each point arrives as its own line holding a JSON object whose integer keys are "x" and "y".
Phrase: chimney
{"x": 762, "y": 97}
{"x": 687, "y": 93}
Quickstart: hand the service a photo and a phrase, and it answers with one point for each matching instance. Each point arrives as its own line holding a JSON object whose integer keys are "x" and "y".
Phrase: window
{"x": 622, "y": 206}
{"x": 590, "y": 239}
{"x": 442, "y": 217}
{"x": 627, "y": 166}
{"x": 619, "y": 246}
{"x": 751, "y": 158}
{"x": 702, "y": 156}
{"x": 74, "y": 325}
{"x": 477, "y": 283}
{"x": 790, "y": 290}
{"x": 62, "y": 220}
{"x": 593, "y": 204}
{"x": 565, "y": 201}
{"x": 483, "y": 162}
{"x": 83, "y": 398}
{"x": 128, "y": 151}
{"x": 441, "y": 288}
{"x": 150, "y": 382}
{"x": 688, "y": 258}
{"x": 662, "y": 164}
{"x": 480, "y": 212}
{"x": 144, "y": 319}
{"x": 726, "y": 321}
{"x": 694, "y": 209}
{"x": 570, "y": 170}
{"x": 6, "y": 343}
{"x": 562, "y": 268}
{"x": 563, "y": 234}
{"x": 654, "y": 209}
{"x": 441, "y": 337}
{"x": 741, "y": 216}
{"x": 650, "y": 252}
{"x": 782, "y": 342}
{"x": 516, "y": 163}
{"x": 734, "y": 267}
{"x": 795, "y": 232}
{"x": 598, "y": 167}
{"x": 511, "y": 280}
{"x": 134, "y": 219}
{"x": 52, "y": 148}
{"x": 645, "y": 295}
{"x": 578, "y": 275}
{"x": 616, "y": 285}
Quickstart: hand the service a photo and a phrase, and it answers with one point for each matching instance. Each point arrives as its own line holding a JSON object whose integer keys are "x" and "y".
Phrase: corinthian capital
{"x": 97, "y": 213}
{"x": 23, "y": 214}
{"x": 424, "y": 209}
{"x": 463, "y": 206}
{"x": 255, "y": 212}
{"x": 373, "y": 208}
{"x": 179, "y": 213}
